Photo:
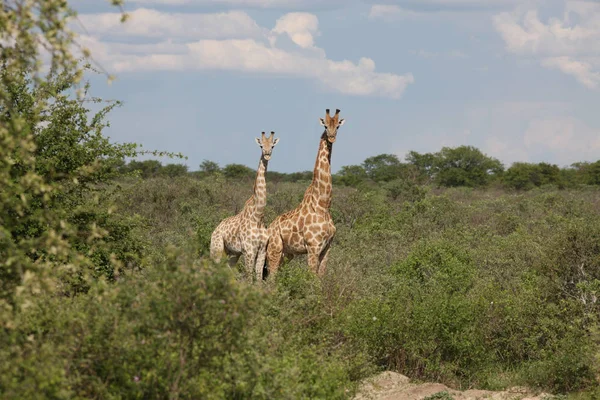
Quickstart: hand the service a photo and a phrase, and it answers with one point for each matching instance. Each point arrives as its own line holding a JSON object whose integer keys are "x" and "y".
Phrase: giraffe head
{"x": 331, "y": 124}
{"x": 267, "y": 144}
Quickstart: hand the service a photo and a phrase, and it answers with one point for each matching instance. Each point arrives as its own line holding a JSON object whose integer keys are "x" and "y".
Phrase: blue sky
{"x": 518, "y": 79}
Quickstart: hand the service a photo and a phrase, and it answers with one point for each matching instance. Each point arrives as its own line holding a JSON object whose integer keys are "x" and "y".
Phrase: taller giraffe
{"x": 245, "y": 233}
{"x": 309, "y": 227}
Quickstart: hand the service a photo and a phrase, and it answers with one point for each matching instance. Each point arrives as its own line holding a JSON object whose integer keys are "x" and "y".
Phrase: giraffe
{"x": 245, "y": 233}
{"x": 308, "y": 229}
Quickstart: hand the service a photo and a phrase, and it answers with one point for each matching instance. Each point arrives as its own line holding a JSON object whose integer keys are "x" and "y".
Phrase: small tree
{"x": 40, "y": 179}
{"x": 146, "y": 168}
{"x": 209, "y": 167}
{"x": 591, "y": 173}
{"x": 237, "y": 171}
{"x": 299, "y": 176}
{"x": 383, "y": 167}
{"x": 173, "y": 170}
{"x": 465, "y": 166}
{"x": 423, "y": 163}
{"x": 351, "y": 175}
{"x": 523, "y": 176}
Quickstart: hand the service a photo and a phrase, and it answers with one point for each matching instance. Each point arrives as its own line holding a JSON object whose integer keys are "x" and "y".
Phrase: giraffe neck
{"x": 260, "y": 190}
{"x": 321, "y": 183}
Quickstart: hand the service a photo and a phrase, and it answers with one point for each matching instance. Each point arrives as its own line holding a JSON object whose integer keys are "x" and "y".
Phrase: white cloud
{"x": 300, "y": 27}
{"x": 145, "y": 22}
{"x": 174, "y": 51}
{"x": 584, "y": 72}
{"x": 568, "y": 44}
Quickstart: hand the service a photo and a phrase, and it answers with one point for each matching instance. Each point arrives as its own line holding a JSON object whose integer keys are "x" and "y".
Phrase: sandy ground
{"x": 393, "y": 386}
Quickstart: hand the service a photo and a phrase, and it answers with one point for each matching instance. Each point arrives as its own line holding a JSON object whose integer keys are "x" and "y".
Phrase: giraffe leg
{"x": 260, "y": 262}
{"x": 323, "y": 257}
{"x": 313, "y": 258}
{"x": 217, "y": 247}
{"x": 250, "y": 260}
{"x": 274, "y": 253}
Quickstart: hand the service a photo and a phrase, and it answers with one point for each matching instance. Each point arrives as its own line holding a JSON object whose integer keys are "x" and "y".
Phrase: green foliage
{"x": 146, "y": 168}
{"x": 209, "y": 167}
{"x": 587, "y": 173}
{"x": 427, "y": 323}
{"x": 424, "y": 163}
{"x": 465, "y": 287}
{"x": 465, "y": 166}
{"x": 468, "y": 286}
{"x": 450, "y": 167}
{"x": 173, "y": 170}
{"x": 182, "y": 330}
{"x": 74, "y": 158}
{"x": 238, "y": 171}
{"x": 527, "y": 176}
{"x": 203, "y": 233}
{"x": 404, "y": 189}
{"x": 382, "y": 168}
{"x": 351, "y": 175}
{"x": 153, "y": 168}
{"x": 304, "y": 176}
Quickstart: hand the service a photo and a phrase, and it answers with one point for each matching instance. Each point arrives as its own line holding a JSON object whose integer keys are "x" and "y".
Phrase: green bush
{"x": 405, "y": 190}
{"x": 182, "y": 330}
{"x": 427, "y": 324}
{"x": 525, "y": 176}
{"x": 473, "y": 287}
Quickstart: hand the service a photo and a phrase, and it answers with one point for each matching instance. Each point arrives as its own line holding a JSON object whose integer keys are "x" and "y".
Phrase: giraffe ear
{"x": 275, "y": 141}
{"x": 342, "y": 122}
{"x": 322, "y": 121}
{"x": 258, "y": 142}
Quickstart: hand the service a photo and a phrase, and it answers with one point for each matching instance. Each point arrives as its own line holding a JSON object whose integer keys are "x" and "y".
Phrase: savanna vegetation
{"x": 445, "y": 266}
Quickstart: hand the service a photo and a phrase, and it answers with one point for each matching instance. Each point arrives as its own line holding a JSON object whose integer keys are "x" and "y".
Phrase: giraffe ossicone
{"x": 308, "y": 229}
{"x": 245, "y": 233}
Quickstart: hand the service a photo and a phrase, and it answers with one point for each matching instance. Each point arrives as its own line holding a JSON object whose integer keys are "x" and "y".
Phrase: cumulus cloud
{"x": 584, "y": 72}
{"x": 568, "y": 44}
{"x": 150, "y": 23}
{"x": 300, "y": 27}
{"x": 176, "y": 49}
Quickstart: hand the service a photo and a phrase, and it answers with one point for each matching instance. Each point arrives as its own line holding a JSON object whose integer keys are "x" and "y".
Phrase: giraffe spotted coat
{"x": 308, "y": 229}
{"x": 245, "y": 233}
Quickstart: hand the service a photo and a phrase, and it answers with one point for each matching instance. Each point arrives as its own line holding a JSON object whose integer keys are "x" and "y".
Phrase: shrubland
{"x": 480, "y": 288}
{"x": 445, "y": 267}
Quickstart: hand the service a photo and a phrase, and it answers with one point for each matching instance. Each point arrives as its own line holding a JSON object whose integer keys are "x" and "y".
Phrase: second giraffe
{"x": 245, "y": 233}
